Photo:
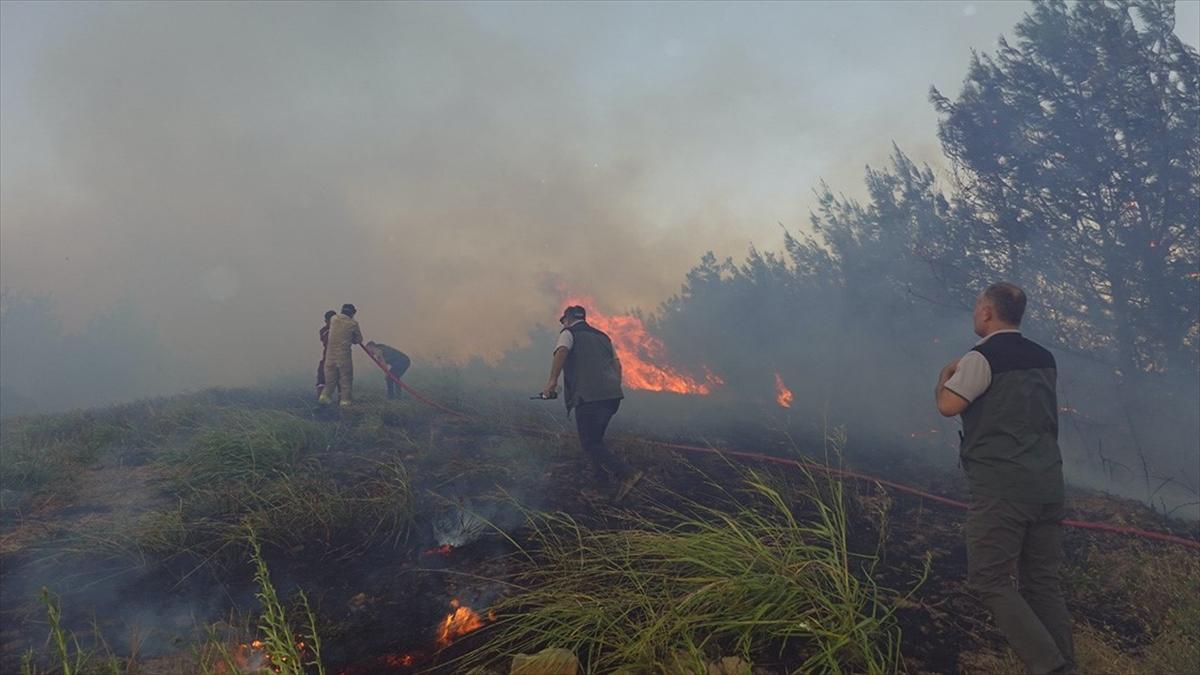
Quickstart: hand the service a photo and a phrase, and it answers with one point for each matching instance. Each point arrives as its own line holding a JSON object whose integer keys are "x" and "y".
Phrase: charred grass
{"x": 790, "y": 572}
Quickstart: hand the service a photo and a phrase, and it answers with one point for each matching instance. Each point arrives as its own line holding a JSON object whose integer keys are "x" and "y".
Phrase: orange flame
{"x": 461, "y": 621}
{"x": 643, "y": 355}
{"x": 783, "y": 395}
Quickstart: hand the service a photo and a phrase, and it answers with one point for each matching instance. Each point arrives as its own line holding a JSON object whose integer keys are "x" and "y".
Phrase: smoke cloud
{"x": 230, "y": 171}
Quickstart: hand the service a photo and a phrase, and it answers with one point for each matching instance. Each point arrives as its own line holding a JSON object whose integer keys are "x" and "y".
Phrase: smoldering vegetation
{"x": 224, "y": 531}
{"x": 239, "y": 531}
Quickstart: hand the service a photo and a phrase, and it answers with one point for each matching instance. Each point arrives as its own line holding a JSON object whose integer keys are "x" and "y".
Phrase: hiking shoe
{"x": 324, "y": 400}
{"x": 628, "y": 484}
{"x": 344, "y": 403}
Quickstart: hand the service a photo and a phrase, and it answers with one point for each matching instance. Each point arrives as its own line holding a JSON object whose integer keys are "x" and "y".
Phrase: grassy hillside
{"x": 240, "y": 530}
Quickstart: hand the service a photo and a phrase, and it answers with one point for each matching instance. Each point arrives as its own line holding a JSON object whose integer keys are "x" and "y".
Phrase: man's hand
{"x": 550, "y": 389}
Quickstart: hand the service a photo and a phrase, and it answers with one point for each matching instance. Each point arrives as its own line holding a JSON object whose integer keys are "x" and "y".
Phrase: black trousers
{"x": 591, "y": 420}
{"x": 394, "y": 390}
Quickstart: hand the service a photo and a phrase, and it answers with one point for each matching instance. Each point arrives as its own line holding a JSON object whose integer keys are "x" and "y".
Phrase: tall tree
{"x": 1077, "y": 152}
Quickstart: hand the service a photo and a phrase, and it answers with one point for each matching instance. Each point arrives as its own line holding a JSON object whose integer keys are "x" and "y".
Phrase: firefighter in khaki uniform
{"x": 344, "y": 333}
{"x": 1004, "y": 389}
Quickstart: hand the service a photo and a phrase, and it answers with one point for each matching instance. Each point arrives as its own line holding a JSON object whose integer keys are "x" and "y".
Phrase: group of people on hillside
{"x": 335, "y": 372}
{"x": 1005, "y": 390}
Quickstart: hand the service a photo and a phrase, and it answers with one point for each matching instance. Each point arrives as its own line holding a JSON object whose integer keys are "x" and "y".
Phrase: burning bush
{"x": 746, "y": 575}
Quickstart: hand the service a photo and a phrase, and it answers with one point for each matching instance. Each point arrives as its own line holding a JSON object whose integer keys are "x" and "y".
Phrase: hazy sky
{"x": 235, "y": 169}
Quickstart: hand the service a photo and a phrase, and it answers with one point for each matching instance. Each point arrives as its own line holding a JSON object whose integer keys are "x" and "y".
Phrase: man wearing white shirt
{"x": 592, "y": 389}
{"x": 1004, "y": 388}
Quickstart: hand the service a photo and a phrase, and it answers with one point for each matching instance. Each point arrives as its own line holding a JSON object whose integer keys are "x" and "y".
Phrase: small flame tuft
{"x": 783, "y": 395}
{"x": 458, "y": 623}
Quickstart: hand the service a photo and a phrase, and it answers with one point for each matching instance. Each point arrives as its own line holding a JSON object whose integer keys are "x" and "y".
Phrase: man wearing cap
{"x": 592, "y": 390}
{"x": 1004, "y": 389}
{"x": 344, "y": 333}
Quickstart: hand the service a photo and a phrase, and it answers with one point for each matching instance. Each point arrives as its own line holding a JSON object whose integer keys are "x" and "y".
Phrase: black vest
{"x": 590, "y": 372}
{"x": 1010, "y": 433}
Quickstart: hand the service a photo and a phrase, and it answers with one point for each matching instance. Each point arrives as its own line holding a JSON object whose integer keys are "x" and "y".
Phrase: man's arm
{"x": 556, "y": 366}
{"x": 948, "y": 402}
{"x": 961, "y": 382}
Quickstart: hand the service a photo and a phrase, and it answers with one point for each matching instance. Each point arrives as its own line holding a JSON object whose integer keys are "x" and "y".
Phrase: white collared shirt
{"x": 566, "y": 339}
{"x": 996, "y": 332}
{"x": 973, "y": 375}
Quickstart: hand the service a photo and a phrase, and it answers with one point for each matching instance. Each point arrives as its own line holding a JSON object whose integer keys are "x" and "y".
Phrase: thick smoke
{"x": 231, "y": 171}
{"x": 193, "y": 185}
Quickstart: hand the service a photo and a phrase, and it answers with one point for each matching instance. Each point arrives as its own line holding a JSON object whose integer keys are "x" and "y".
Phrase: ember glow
{"x": 643, "y": 356}
{"x": 399, "y": 660}
{"x": 461, "y": 621}
{"x": 444, "y": 549}
{"x": 783, "y": 395}
{"x": 254, "y": 658}
{"x": 247, "y": 658}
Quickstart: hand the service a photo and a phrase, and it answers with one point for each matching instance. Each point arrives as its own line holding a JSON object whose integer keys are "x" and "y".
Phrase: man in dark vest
{"x": 397, "y": 363}
{"x": 1004, "y": 389}
{"x": 592, "y": 389}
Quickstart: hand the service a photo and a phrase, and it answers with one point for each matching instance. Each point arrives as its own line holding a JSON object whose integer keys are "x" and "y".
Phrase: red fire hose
{"x": 843, "y": 473}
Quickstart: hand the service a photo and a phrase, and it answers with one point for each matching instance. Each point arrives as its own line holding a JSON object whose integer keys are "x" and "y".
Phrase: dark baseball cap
{"x": 574, "y": 312}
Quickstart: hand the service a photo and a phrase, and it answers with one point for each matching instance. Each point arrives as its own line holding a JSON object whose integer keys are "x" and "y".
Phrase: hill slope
{"x": 422, "y": 539}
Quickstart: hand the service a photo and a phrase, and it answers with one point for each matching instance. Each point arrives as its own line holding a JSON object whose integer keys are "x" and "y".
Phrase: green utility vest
{"x": 1010, "y": 433}
{"x": 590, "y": 372}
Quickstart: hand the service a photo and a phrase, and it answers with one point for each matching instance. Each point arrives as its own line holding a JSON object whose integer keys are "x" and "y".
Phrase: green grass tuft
{"x": 291, "y": 651}
{"x": 686, "y": 582}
